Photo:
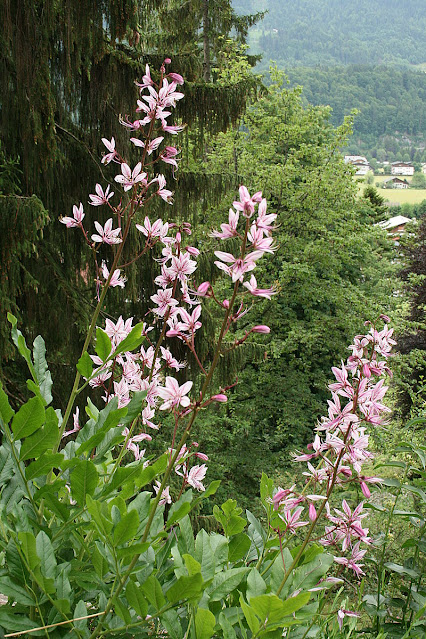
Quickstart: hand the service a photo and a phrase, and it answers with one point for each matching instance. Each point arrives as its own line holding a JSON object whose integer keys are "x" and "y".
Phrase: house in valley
{"x": 402, "y": 168}
{"x": 359, "y": 162}
{"x": 395, "y": 183}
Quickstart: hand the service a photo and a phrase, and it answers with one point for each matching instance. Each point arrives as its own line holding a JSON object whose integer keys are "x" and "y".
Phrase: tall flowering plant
{"x": 94, "y": 541}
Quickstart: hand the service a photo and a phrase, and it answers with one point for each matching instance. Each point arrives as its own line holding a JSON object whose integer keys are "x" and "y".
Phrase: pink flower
{"x": 247, "y": 203}
{"x": 173, "y": 394}
{"x": 342, "y": 613}
{"x": 168, "y": 156}
{"x": 110, "y": 145}
{"x": 259, "y": 292}
{"x": 152, "y": 144}
{"x": 129, "y": 178}
{"x": 116, "y": 279}
{"x": 165, "y": 194}
{"x": 101, "y": 197}
{"x": 165, "y": 494}
{"x": 106, "y": 233}
{"x": 239, "y": 266}
{"x": 228, "y": 230}
{"x": 76, "y": 220}
{"x": 196, "y": 476}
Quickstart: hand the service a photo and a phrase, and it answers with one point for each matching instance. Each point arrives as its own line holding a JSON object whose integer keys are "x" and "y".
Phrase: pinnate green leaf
{"x": 83, "y": 481}
{"x": 136, "y": 599}
{"x": 103, "y": 344}
{"x": 133, "y": 340}
{"x": 126, "y": 528}
{"x": 85, "y": 365}
{"x": 204, "y": 623}
{"x": 43, "y": 440}
{"x": 29, "y": 418}
{"x": 43, "y": 465}
{"x": 6, "y": 412}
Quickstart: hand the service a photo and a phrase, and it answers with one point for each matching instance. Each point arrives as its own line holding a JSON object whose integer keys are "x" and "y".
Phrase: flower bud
{"x": 385, "y": 318}
{"x": 312, "y": 512}
{"x": 261, "y": 329}
{"x": 221, "y": 398}
{"x": 201, "y": 456}
{"x": 167, "y": 61}
{"x": 172, "y": 333}
{"x": 193, "y": 251}
{"x": 365, "y": 490}
{"x": 225, "y": 303}
{"x": 203, "y": 289}
{"x": 178, "y": 238}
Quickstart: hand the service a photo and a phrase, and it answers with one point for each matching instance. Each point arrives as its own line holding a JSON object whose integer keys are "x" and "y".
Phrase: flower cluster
{"x": 176, "y": 304}
{"x": 339, "y": 450}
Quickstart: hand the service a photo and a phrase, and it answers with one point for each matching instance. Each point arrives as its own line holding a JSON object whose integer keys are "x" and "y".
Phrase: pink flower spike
{"x": 261, "y": 329}
{"x": 247, "y": 203}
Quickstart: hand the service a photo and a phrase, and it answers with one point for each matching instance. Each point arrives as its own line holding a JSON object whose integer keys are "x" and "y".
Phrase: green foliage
{"x": 332, "y": 270}
{"x": 87, "y": 553}
{"x": 390, "y": 104}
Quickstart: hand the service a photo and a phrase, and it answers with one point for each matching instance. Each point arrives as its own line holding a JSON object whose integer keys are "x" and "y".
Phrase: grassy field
{"x": 397, "y": 196}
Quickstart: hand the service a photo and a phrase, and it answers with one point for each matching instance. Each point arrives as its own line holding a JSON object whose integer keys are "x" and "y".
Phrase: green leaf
{"x": 43, "y": 465}
{"x": 271, "y": 607}
{"x": 186, "y": 587}
{"x": 230, "y": 520}
{"x": 83, "y": 481}
{"x": 402, "y": 570}
{"x": 28, "y": 546}
{"x": 29, "y": 418}
{"x": 136, "y": 599}
{"x": 134, "y": 549}
{"x": 227, "y": 628}
{"x": 44, "y": 378}
{"x": 204, "y": 555}
{"x": 225, "y": 582}
{"x": 126, "y": 528}
{"x": 134, "y": 407}
{"x": 256, "y": 585}
{"x": 170, "y": 621}
{"x": 266, "y": 487}
{"x": 252, "y": 620}
{"x": 99, "y": 562}
{"x": 153, "y": 470}
{"x": 133, "y": 340}
{"x": 192, "y": 565}
{"x": 204, "y": 624}
{"x": 239, "y": 546}
{"x": 103, "y": 344}
{"x": 85, "y": 365}
{"x": 15, "y": 592}
{"x": 153, "y": 592}
{"x": 180, "y": 509}
{"x": 6, "y": 412}
{"x": 43, "y": 440}
{"x": 103, "y": 427}
{"x": 46, "y": 555}
{"x": 19, "y": 341}
{"x": 18, "y": 622}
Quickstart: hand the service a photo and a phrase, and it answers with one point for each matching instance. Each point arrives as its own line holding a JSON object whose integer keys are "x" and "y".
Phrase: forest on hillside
{"x": 336, "y": 32}
{"x": 391, "y": 105}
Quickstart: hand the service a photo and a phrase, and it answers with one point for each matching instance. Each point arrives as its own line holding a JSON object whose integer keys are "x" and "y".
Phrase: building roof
{"x": 398, "y": 220}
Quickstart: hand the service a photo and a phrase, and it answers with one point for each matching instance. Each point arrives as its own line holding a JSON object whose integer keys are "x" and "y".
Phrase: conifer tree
{"x": 70, "y": 67}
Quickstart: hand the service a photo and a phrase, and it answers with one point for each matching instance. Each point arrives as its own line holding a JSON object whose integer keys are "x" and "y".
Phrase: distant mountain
{"x": 339, "y": 32}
